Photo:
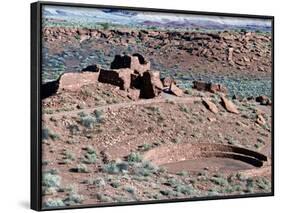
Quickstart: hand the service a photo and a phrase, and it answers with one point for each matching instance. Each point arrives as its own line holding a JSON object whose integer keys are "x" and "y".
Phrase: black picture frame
{"x": 36, "y": 108}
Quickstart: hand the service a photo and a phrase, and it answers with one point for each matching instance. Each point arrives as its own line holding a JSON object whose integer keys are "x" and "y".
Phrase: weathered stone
{"x": 201, "y": 85}
{"x": 209, "y": 87}
{"x": 167, "y": 81}
{"x": 229, "y": 105}
{"x": 230, "y": 54}
{"x": 73, "y": 81}
{"x": 175, "y": 90}
{"x": 135, "y": 62}
{"x": 151, "y": 84}
{"x": 210, "y": 105}
{"x": 260, "y": 120}
{"x": 120, "y": 77}
{"x": 92, "y": 68}
{"x": 263, "y": 100}
{"x": 217, "y": 88}
{"x": 133, "y": 94}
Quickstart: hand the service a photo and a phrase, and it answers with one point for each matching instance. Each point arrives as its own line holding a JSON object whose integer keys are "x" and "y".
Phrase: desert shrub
{"x": 99, "y": 115}
{"x": 90, "y": 156}
{"x": 90, "y": 150}
{"x": 185, "y": 189}
{"x": 88, "y": 121}
{"x": 48, "y": 134}
{"x": 73, "y": 128}
{"x": 182, "y": 173}
{"x": 145, "y": 168}
{"x": 145, "y": 147}
{"x": 103, "y": 198}
{"x": 51, "y": 180}
{"x": 49, "y": 190}
{"x": 134, "y": 157}
{"x": 74, "y": 198}
{"x": 263, "y": 183}
{"x": 183, "y": 109}
{"x": 68, "y": 155}
{"x": 129, "y": 189}
{"x": 115, "y": 168}
{"x": 166, "y": 192}
{"x": 219, "y": 181}
{"x": 153, "y": 109}
{"x": 53, "y": 203}
{"x": 98, "y": 182}
{"x": 81, "y": 168}
{"x": 115, "y": 184}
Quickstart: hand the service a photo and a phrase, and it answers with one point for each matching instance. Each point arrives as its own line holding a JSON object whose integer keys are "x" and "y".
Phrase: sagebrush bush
{"x": 134, "y": 157}
{"x": 53, "y": 203}
{"x": 74, "y": 198}
{"x": 51, "y": 180}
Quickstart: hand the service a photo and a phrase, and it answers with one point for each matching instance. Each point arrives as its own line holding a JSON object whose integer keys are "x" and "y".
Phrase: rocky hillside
{"x": 249, "y": 51}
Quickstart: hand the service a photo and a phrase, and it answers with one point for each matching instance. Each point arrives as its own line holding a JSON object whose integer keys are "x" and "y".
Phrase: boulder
{"x": 201, "y": 85}
{"x": 151, "y": 84}
{"x": 218, "y": 88}
{"x": 260, "y": 120}
{"x": 229, "y": 105}
{"x": 175, "y": 90}
{"x": 209, "y": 87}
{"x": 210, "y": 105}
{"x": 263, "y": 100}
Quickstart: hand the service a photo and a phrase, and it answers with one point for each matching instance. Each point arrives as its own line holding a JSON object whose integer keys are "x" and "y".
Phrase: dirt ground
{"x": 100, "y": 146}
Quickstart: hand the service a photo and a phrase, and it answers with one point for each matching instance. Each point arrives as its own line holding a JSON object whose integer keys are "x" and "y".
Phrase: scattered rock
{"x": 210, "y": 105}
{"x": 175, "y": 90}
{"x": 209, "y": 87}
{"x": 218, "y": 88}
{"x": 228, "y": 105}
{"x": 167, "y": 81}
{"x": 230, "y": 54}
{"x": 211, "y": 119}
{"x": 92, "y": 68}
{"x": 263, "y": 100}
{"x": 260, "y": 120}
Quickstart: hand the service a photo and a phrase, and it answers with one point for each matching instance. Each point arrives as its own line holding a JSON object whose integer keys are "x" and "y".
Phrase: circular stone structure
{"x": 214, "y": 157}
